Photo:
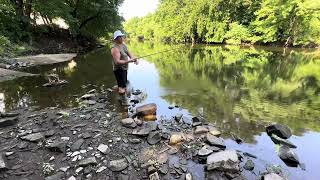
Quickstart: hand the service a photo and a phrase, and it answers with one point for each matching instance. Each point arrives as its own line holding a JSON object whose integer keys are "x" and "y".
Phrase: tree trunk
{"x": 28, "y": 7}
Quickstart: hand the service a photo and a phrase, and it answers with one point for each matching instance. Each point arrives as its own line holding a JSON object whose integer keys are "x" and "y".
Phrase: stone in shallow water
{"x": 279, "y": 140}
{"x": 118, "y": 165}
{"x": 224, "y": 161}
{"x": 215, "y": 141}
{"x": 288, "y": 156}
{"x": 35, "y": 137}
{"x": 281, "y": 131}
{"x": 249, "y": 165}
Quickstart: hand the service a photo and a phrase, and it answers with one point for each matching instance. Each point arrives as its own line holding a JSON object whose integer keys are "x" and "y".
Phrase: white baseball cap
{"x": 117, "y": 34}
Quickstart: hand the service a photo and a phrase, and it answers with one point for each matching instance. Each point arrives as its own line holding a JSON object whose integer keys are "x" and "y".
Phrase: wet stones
{"x": 129, "y": 123}
{"x": 176, "y": 138}
{"x": 57, "y": 147}
{"x": 35, "y": 137}
{"x": 224, "y": 161}
{"x": 118, "y": 165}
{"x": 215, "y": 141}
{"x": 281, "y": 131}
{"x": 214, "y": 131}
{"x": 56, "y": 176}
{"x": 77, "y": 145}
{"x": 148, "y": 109}
{"x": 88, "y": 97}
{"x": 145, "y": 129}
{"x": 8, "y": 121}
{"x": 154, "y": 138}
{"x": 88, "y": 161}
{"x": 103, "y": 148}
{"x": 288, "y": 156}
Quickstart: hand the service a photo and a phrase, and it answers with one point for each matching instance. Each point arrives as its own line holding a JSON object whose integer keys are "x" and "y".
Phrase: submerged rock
{"x": 249, "y": 165}
{"x": 118, "y": 165}
{"x": 35, "y": 137}
{"x": 8, "y": 121}
{"x": 279, "y": 140}
{"x": 288, "y": 156}
{"x": 282, "y": 131}
{"x": 148, "y": 109}
{"x": 224, "y": 161}
{"x": 215, "y": 141}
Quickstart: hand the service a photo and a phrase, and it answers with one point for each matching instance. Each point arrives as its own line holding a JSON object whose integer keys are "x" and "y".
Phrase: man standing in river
{"x": 121, "y": 59}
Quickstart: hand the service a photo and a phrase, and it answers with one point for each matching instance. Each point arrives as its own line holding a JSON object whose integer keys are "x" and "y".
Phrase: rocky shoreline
{"x": 95, "y": 141}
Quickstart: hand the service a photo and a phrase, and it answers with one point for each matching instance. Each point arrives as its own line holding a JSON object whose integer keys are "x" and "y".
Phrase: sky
{"x": 132, "y": 8}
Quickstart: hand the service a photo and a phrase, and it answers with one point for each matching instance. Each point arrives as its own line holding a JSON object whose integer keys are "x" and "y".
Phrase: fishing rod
{"x": 157, "y": 53}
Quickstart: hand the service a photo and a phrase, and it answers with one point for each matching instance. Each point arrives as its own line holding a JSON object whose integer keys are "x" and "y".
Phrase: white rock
{"x": 102, "y": 168}
{"x": 72, "y": 178}
{"x": 223, "y": 156}
{"x": 103, "y": 148}
{"x": 65, "y": 138}
{"x": 79, "y": 170}
{"x": 52, "y": 158}
{"x": 64, "y": 169}
{"x": 9, "y": 153}
{"x": 83, "y": 151}
{"x": 75, "y": 159}
{"x": 76, "y": 153}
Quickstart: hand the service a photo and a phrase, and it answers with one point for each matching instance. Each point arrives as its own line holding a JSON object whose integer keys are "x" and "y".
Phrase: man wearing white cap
{"x": 121, "y": 58}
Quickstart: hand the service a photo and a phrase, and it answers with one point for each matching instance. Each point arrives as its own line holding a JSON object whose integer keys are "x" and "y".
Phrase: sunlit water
{"x": 239, "y": 89}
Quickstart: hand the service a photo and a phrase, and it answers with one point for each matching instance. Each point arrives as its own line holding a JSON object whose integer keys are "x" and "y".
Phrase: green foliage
{"x": 290, "y": 22}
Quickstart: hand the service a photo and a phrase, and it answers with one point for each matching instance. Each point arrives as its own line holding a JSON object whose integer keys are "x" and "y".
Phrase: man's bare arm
{"x": 116, "y": 57}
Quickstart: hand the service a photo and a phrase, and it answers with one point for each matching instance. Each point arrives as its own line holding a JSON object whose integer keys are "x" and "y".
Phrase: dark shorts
{"x": 121, "y": 76}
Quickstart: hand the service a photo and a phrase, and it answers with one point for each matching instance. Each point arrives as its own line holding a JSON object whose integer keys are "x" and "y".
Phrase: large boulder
{"x": 282, "y": 131}
{"x": 148, "y": 109}
{"x": 227, "y": 161}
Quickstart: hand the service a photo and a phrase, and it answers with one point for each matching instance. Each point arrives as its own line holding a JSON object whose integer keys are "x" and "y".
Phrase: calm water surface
{"x": 238, "y": 89}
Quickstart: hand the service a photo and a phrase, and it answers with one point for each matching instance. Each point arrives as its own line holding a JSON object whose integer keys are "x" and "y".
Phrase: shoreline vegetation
{"x": 263, "y": 22}
{"x": 59, "y": 26}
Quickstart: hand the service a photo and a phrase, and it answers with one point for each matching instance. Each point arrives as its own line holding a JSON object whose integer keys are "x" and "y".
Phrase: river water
{"x": 239, "y": 89}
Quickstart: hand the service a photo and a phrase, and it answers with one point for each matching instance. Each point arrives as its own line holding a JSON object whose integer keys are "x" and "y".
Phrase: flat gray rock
{"x": 35, "y": 137}
{"x": 154, "y": 138}
{"x": 204, "y": 151}
{"x": 215, "y": 141}
{"x": 224, "y": 161}
{"x": 77, "y": 145}
{"x": 57, "y": 176}
{"x": 103, "y": 148}
{"x": 88, "y": 161}
{"x": 43, "y": 59}
{"x": 59, "y": 146}
{"x": 6, "y": 74}
{"x": 118, "y": 165}
{"x": 201, "y": 130}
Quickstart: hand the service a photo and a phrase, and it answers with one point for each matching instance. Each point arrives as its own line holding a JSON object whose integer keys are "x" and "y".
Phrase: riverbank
{"x": 93, "y": 141}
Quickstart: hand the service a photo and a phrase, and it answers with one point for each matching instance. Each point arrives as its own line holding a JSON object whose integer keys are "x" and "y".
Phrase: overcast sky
{"x": 132, "y": 8}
